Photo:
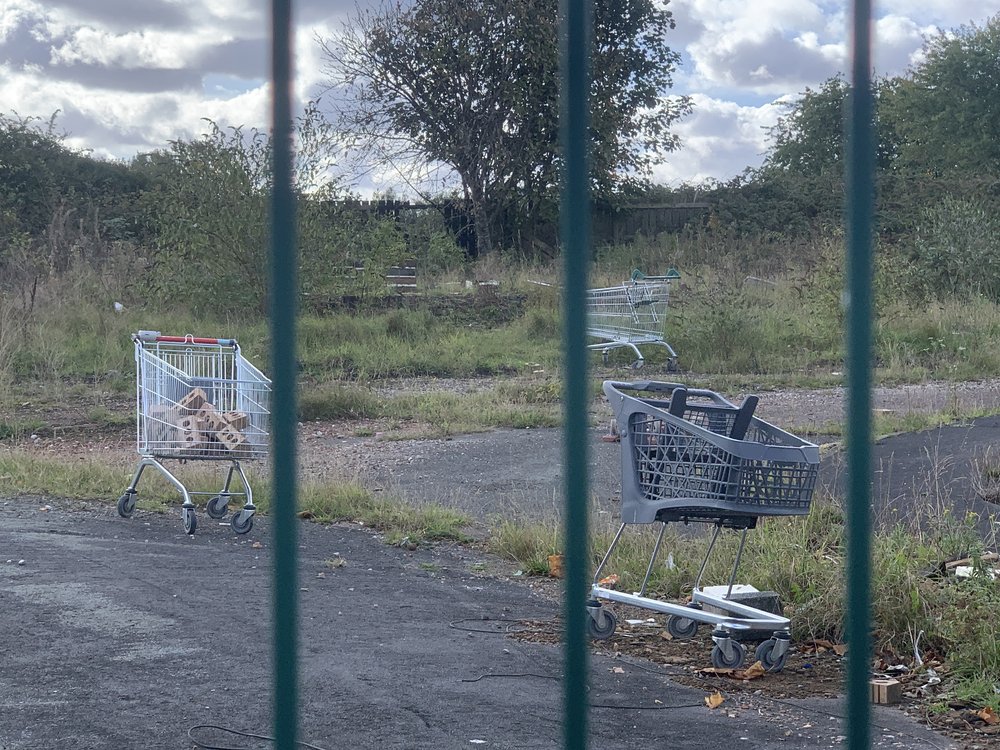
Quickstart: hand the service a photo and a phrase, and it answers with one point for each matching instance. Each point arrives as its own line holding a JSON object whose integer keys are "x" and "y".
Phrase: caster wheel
{"x": 681, "y": 628}
{"x": 240, "y": 524}
{"x": 216, "y": 507}
{"x": 604, "y": 358}
{"x": 720, "y": 661}
{"x": 601, "y": 632}
{"x": 672, "y": 364}
{"x": 126, "y": 505}
{"x": 190, "y": 520}
{"x": 637, "y": 365}
{"x": 764, "y": 654}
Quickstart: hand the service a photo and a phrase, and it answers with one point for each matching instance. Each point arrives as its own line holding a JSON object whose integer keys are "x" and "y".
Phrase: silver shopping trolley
{"x": 198, "y": 399}
{"x": 631, "y": 314}
{"x": 690, "y": 455}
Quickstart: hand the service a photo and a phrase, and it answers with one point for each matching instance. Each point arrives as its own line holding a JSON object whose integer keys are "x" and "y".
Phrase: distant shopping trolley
{"x": 631, "y": 314}
{"x": 198, "y": 399}
{"x": 690, "y": 455}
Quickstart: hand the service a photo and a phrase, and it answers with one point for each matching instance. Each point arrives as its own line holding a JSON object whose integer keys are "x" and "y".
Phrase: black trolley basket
{"x": 689, "y": 455}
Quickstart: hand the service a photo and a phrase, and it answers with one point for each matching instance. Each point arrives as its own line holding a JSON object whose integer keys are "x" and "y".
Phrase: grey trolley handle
{"x": 653, "y": 386}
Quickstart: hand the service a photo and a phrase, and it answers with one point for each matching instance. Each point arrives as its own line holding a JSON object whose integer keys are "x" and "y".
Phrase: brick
{"x": 886, "y": 692}
{"x": 191, "y": 437}
{"x": 192, "y": 402}
{"x": 237, "y": 420}
{"x": 234, "y": 440}
{"x": 212, "y": 421}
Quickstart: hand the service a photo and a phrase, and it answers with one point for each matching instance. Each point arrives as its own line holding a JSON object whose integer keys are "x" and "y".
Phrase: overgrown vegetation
{"x": 803, "y": 560}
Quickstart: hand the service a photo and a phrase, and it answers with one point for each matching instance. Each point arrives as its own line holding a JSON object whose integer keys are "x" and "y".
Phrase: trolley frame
{"x": 690, "y": 455}
{"x": 198, "y": 399}
{"x": 630, "y": 315}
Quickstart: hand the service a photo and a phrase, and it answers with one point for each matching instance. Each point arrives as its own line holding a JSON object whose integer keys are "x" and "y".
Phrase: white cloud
{"x": 137, "y": 49}
{"x": 131, "y": 75}
{"x": 718, "y": 140}
{"x": 13, "y": 14}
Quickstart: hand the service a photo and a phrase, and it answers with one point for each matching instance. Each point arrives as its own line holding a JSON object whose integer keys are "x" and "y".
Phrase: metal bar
{"x": 607, "y": 556}
{"x": 736, "y": 565}
{"x": 575, "y": 237}
{"x": 747, "y": 618}
{"x": 859, "y": 199}
{"x": 283, "y": 295}
{"x": 704, "y": 563}
{"x": 652, "y": 560}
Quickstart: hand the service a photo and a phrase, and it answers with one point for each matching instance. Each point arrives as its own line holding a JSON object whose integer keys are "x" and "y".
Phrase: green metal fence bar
{"x": 575, "y": 238}
{"x": 860, "y": 196}
{"x": 283, "y": 296}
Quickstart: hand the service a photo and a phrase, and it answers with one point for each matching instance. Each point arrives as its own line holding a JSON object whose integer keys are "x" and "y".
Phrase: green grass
{"x": 520, "y": 404}
{"x": 728, "y": 329}
{"x": 803, "y": 560}
{"x": 325, "y": 502}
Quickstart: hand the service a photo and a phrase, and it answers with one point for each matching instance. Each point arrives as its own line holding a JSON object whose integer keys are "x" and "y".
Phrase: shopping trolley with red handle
{"x": 198, "y": 399}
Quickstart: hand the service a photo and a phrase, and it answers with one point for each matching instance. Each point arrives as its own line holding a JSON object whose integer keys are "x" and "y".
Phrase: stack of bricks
{"x": 199, "y": 428}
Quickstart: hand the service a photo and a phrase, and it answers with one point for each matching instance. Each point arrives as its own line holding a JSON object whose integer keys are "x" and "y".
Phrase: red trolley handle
{"x": 154, "y": 336}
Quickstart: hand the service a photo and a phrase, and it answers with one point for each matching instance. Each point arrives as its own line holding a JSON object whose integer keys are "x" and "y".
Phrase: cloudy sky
{"x": 129, "y": 75}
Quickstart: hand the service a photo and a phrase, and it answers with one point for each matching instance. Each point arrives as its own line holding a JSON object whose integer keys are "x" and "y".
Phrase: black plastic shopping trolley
{"x": 690, "y": 455}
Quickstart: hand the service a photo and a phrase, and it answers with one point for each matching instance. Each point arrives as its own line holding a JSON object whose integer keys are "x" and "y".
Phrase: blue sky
{"x": 129, "y": 76}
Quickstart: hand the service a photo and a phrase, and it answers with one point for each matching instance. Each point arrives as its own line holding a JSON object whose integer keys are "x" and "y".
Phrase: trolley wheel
{"x": 763, "y": 654}
{"x": 719, "y": 660}
{"x": 242, "y": 526}
{"x": 681, "y": 628}
{"x": 599, "y": 632}
{"x": 126, "y": 505}
{"x": 190, "y": 520}
{"x": 672, "y": 364}
{"x": 637, "y": 365}
{"x": 217, "y": 507}
{"x": 604, "y": 357}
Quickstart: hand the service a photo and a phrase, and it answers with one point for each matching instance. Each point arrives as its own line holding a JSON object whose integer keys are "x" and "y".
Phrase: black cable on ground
{"x": 238, "y": 733}
{"x": 520, "y": 625}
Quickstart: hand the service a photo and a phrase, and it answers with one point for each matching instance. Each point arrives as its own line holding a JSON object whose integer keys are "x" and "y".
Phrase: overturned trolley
{"x": 690, "y": 455}
{"x": 198, "y": 399}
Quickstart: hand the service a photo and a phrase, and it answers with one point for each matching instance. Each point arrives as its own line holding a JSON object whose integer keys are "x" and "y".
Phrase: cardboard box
{"x": 886, "y": 692}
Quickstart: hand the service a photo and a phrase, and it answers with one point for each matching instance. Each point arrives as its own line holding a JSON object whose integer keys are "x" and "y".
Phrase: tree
{"x": 209, "y": 210}
{"x": 947, "y": 110}
{"x": 473, "y": 85}
{"x": 809, "y": 140}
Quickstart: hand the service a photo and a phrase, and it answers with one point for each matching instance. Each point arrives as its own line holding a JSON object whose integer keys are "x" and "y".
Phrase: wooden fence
{"x": 611, "y": 224}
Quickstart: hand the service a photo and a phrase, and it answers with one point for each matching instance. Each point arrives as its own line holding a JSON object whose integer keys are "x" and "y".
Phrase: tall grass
{"x": 744, "y": 310}
{"x": 803, "y": 560}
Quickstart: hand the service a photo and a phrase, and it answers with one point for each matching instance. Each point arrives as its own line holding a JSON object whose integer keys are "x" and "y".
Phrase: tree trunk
{"x": 484, "y": 237}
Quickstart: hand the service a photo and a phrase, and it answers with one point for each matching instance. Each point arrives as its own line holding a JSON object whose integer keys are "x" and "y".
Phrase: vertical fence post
{"x": 575, "y": 239}
{"x": 283, "y": 295}
{"x": 859, "y": 198}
